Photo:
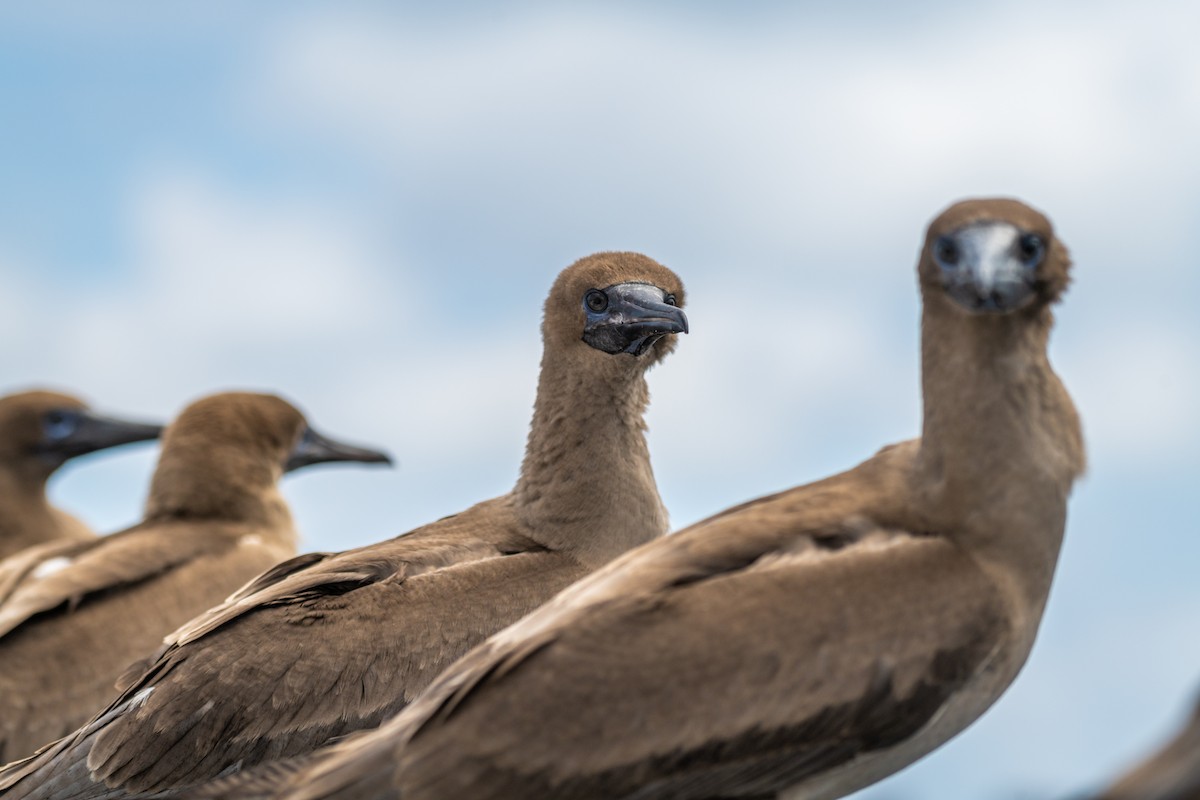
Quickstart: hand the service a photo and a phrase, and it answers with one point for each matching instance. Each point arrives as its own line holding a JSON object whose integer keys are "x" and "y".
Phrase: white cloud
{"x": 796, "y": 141}
{"x": 1138, "y": 390}
{"x": 220, "y": 280}
{"x": 465, "y": 400}
{"x": 231, "y": 269}
{"x": 783, "y": 128}
{"x": 757, "y": 373}
{"x": 16, "y": 311}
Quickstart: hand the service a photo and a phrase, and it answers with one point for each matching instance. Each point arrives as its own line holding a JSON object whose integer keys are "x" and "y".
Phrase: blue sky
{"x": 362, "y": 206}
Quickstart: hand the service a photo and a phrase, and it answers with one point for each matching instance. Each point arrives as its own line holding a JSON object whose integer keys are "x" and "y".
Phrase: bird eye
{"x": 670, "y": 300}
{"x": 59, "y": 424}
{"x": 1031, "y": 248}
{"x": 945, "y": 250}
{"x": 595, "y": 300}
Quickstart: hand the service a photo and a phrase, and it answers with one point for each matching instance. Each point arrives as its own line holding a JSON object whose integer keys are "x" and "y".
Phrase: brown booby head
{"x": 228, "y": 447}
{"x": 42, "y": 430}
{"x": 621, "y": 305}
{"x": 994, "y": 256}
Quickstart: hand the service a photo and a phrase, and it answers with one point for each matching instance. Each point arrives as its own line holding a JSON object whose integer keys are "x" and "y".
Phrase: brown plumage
{"x": 331, "y": 643}
{"x": 801, "y": 645}
{"x": 72, "y": 617}
{"x": 39, "y": 432}
{"x": 1172, "y": 773}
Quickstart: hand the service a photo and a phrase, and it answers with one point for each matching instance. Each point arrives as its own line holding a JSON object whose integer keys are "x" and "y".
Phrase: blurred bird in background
{"x": 41, "y": 431}
{"x": 75, "y": 618}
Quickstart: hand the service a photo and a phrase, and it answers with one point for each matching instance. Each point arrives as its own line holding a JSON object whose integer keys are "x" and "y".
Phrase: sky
{"x": 361, "y": 206}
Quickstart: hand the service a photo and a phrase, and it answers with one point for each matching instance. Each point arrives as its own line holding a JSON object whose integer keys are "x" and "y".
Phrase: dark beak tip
{"x": 672, "y": 321}
{"x": 316, "y": 448}
{"x": 362, "y": 456}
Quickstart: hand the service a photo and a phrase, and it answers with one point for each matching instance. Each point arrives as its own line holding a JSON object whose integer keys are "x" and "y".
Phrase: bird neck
{"x": 586, "y": 485}
{"x": 1001, "y": 443}
{"x": 26, "y": 516}
{"x": 219, "y": 485}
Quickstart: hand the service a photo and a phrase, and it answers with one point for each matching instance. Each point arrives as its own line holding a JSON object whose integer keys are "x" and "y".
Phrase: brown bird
{"x": 805, "y": 644}
{"x": 39, "y": 432}
{"x": 72, "y": 620}
{"x": 331, "y": 643}
{"x": 1172, "y": 773}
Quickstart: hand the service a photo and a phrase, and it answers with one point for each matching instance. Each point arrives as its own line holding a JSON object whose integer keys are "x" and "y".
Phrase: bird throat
{"x": 586, "y": 485}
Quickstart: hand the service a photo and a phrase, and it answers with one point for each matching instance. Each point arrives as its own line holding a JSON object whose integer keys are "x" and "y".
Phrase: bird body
{"x": 39, "y": 432}
{"x": 74, "y": 615}
{"x": 330, "y": 643}
{"x": 67, "y": 636}
{"x": 450, "y": 572}
{"x": 805, "y": 644}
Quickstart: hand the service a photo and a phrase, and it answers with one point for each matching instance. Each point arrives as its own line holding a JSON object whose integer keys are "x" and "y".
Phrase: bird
{"x": 334, "y": 642}
{"x": 1171, "y": 773}
{"x": 72, "y": 620}
{"x": 40, "y": 431}
{"x": 804, "y": 644}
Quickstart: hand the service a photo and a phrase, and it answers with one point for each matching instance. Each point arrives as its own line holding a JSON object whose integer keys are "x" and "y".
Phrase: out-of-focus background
{"x": 362, "y": 206}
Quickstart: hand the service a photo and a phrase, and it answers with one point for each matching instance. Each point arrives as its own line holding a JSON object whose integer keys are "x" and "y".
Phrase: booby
{"x": 805, "y": 644}
{"x": 1172, "y": 773}
{"x": 329, "y": 643}
{"x": 39, "y": 432}
{"x": 74, "y": 618}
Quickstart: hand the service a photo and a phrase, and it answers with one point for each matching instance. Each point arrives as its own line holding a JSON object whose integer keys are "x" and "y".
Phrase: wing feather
{"x": 98, "y": 566}
{"x": 760, "y": 676}
{"x": 252, "y": 680}
{"x": 71, "y": 633}
{"x": 733, "y": 659}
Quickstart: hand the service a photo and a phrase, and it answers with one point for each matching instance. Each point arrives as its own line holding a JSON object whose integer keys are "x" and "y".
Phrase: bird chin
{"x": 614, "y": 340}
{"x": 1005, "y": 302}
{"x": 640, "y": 346}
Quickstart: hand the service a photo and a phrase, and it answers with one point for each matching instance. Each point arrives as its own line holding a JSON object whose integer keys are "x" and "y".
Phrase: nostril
{"x": 996, "y": 297}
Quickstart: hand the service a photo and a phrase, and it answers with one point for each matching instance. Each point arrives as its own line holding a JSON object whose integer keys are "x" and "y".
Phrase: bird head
{"x": 42, "y": 430}
{"x": 994, "y": 256}
{"x": 227, "y": 445}
{"x": 621, "y": 306}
